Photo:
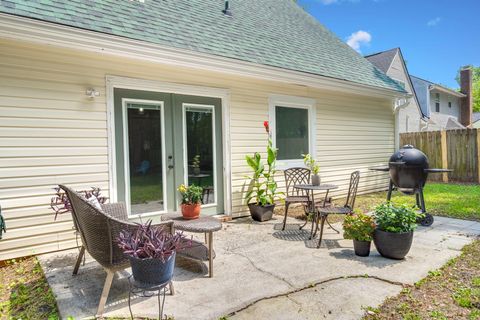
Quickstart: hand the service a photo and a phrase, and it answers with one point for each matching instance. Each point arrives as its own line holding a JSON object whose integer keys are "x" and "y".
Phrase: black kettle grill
{"x": 409, "y": 170}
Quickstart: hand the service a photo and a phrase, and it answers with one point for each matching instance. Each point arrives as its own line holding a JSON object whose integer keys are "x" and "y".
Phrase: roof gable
{"x": 275, "y": 33}
{"x": 383, "y": 60}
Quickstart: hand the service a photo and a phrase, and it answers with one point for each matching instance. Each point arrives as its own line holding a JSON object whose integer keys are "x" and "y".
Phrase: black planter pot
{"x": 153, "y": 271}
{"x": 393, "y": 245}
{"x": 261, "y": 213}
{"x": 362, "y": 248}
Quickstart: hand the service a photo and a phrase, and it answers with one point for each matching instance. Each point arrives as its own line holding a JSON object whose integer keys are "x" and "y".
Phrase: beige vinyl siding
{"x": 51, "y": 133}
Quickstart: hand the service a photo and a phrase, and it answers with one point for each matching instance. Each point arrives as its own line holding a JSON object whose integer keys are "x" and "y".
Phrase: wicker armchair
{"x": 98, "y": 231}
{"x": 323, "y": 212}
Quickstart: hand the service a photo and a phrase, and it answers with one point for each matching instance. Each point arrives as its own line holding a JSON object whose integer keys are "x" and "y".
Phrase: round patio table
{"x": 204, "y": 224}
{"x": 310, "y": 189}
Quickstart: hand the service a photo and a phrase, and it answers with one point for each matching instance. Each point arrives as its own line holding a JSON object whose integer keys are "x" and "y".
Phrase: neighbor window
{"x": 291, "y": 126}
{"x": 437, "y": 102}
{"x": 449, "y": 104}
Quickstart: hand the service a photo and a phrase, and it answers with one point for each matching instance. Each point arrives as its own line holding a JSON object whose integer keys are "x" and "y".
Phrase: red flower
{"x": 265, "y": 124}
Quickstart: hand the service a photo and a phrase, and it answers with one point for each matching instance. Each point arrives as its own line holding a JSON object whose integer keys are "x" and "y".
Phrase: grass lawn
{"x": 453, "y": 200}
{"x": 24, "y": 291}
{"x": 451, "y": 292}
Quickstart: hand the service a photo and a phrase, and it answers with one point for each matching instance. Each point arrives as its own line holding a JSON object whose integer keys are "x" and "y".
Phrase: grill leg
{"x": 390, "y": 188}
{"x": 422, "y": 200}
{"x": 417, "y": 197}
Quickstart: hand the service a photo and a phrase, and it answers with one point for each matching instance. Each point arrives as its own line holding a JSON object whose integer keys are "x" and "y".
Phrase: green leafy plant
{"x": 263, "y": 188}
{"x": 359, "y": 227}
{"x": 311, "y": 163}
{"x": 396, "y": 219}
{"x": 190, "y": 194}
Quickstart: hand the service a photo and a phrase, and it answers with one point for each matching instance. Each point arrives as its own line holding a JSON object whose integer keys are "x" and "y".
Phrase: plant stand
{"x": 146, "y": 290}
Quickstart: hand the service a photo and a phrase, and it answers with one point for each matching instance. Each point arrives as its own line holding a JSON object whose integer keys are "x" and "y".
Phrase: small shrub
{"x": 358, "y": 227}
{"x": 396, "y": 219}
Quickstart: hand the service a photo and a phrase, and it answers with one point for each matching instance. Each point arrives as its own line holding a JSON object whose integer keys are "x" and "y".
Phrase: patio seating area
{"x": 258, "y": 266}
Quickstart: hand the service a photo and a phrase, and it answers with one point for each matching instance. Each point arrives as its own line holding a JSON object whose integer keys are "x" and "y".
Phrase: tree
{"x": 475, "y": 85}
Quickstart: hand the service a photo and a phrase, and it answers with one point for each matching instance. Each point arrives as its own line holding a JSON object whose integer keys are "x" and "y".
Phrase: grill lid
{"x": 409, "y": 156}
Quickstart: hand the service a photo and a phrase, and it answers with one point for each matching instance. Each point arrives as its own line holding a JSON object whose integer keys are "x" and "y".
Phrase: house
{"x": 410, "y": 116}
{"x": 134, "y": 97}
{"x": 432, "y": 106}
{"x": 476, "y": 120}
{"x": 441, "y": 105}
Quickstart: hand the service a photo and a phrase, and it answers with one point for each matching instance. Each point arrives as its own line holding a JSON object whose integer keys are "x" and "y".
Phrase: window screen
{"x": 291, "y": 132}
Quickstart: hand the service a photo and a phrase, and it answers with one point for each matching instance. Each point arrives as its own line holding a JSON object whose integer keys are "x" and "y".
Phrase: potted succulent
{"x": 360, "y": 228}
{"x": 262, "y": 192}
{"x": 196, "y": 165}
{"x": 151, "y": 251}
{"x": 312, "y": 164}
{"x": 394, "y": 233}
{"x": 191, "y": 201}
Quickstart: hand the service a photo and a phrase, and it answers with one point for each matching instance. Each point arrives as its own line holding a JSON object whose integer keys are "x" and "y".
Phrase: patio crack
{"x": 262, "y": 270}
{"x": 312, "y": 285}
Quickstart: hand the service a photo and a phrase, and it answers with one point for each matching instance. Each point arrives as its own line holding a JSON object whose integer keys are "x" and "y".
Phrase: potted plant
{"x": 262, "y": 193}
{"x": 360, "y": 228}
{"x": 312, "y": 164}
{"x": 151, "y": 251}
{"x": 196, "y": 165}
{"x": 394, "y": 233}
{"x": 191, "y": 201}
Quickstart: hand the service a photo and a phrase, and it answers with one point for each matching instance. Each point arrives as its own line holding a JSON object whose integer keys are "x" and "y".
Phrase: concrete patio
{"x": 261, "y": 272}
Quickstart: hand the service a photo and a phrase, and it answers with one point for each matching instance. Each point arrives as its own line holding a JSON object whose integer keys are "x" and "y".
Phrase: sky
{"x": 436, "y": 36}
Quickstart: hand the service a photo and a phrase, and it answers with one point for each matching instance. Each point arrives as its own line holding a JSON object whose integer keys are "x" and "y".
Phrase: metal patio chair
{"x": 99, "y": 230}
{"x": 324, "y": 211}
{"x": 293, "y": 176}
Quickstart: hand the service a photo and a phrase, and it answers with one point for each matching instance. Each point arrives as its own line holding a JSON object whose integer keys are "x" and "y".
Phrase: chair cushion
{"x": 94, "y": 202}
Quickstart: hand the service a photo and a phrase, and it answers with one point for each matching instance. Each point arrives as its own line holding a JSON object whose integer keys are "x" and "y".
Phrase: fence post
{"x": 478, "y": 155}
{"x": 443, "y": 139}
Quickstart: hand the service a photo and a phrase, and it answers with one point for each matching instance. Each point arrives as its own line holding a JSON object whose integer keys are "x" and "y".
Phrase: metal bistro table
{"x": 147, "y": 290}
{"x": 309, "y": 188}
{"x": 198, "y": 250}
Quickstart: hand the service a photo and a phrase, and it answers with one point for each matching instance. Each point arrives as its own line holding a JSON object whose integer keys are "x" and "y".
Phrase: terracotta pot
{"x": 191, "y": 211}
{"x": 261, "y": 213}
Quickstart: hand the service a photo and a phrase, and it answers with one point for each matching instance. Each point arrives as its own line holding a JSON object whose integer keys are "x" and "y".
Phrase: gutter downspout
{"x": 399, "y": 104}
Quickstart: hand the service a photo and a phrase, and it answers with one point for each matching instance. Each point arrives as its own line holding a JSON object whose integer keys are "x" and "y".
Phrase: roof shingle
{"x": 276, "y": 33}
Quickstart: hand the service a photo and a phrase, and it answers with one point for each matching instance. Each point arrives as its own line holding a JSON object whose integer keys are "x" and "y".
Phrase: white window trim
{"x": 293, "y": 102}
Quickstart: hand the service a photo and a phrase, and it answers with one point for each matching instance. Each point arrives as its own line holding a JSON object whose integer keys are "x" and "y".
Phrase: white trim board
{"x": 30, "y": 30}
{"x": 113, "y": 82}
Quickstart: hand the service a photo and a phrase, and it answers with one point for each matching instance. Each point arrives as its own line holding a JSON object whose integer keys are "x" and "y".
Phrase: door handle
{"x": 170, "y": 160}
{"x": 170, "y": 166}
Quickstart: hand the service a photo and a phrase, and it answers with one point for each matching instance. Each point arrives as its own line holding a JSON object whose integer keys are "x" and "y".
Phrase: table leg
{"x": 314, "y": 218}
{"x": 210, "y": 254}
{"x": 324, "y": 204}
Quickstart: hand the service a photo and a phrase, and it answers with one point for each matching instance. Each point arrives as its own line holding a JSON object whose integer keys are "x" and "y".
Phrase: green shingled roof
{"x": 268, "y": 32}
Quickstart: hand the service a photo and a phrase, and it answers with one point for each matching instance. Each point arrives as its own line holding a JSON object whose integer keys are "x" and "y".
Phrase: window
{"x": 449, "y": 104}
{"x": 291, "y": 123}
{"x": 437, "y": 102}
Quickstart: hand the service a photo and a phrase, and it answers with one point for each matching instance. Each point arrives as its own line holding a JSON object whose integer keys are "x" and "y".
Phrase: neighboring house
{"x": 476, "y": 120}
{"x": 391, "y": 62}
{"x": 134, "y": 96}
{"x": 442, "y": 106}
{"x": 432, "y": 106}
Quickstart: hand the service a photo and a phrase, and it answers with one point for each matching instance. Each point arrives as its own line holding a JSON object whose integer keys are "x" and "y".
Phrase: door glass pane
{"x": 145, "y": 159}
{"x": 200, "y": 150}
{"x": 291, "y": 132}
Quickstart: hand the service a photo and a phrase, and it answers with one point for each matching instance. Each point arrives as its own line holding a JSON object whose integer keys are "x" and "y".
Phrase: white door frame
{"x": 114, "y": 82}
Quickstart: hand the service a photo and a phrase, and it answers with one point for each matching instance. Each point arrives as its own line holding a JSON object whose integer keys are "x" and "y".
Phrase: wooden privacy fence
{"x": 453, "y": 149}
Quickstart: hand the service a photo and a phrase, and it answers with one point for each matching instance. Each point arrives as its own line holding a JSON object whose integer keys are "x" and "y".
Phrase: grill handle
{"x": 397, "y": 163}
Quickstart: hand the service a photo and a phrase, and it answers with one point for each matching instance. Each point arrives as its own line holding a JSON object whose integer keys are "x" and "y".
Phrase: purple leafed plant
{"x": 60, "y": 203}
{"x": 150, "y": 241}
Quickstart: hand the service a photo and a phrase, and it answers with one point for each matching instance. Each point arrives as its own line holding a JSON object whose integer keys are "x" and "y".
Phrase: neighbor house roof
{"x": 383, "y": 60}
{"x": 475, "y": 117}
{"x": 275, "y": 33}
